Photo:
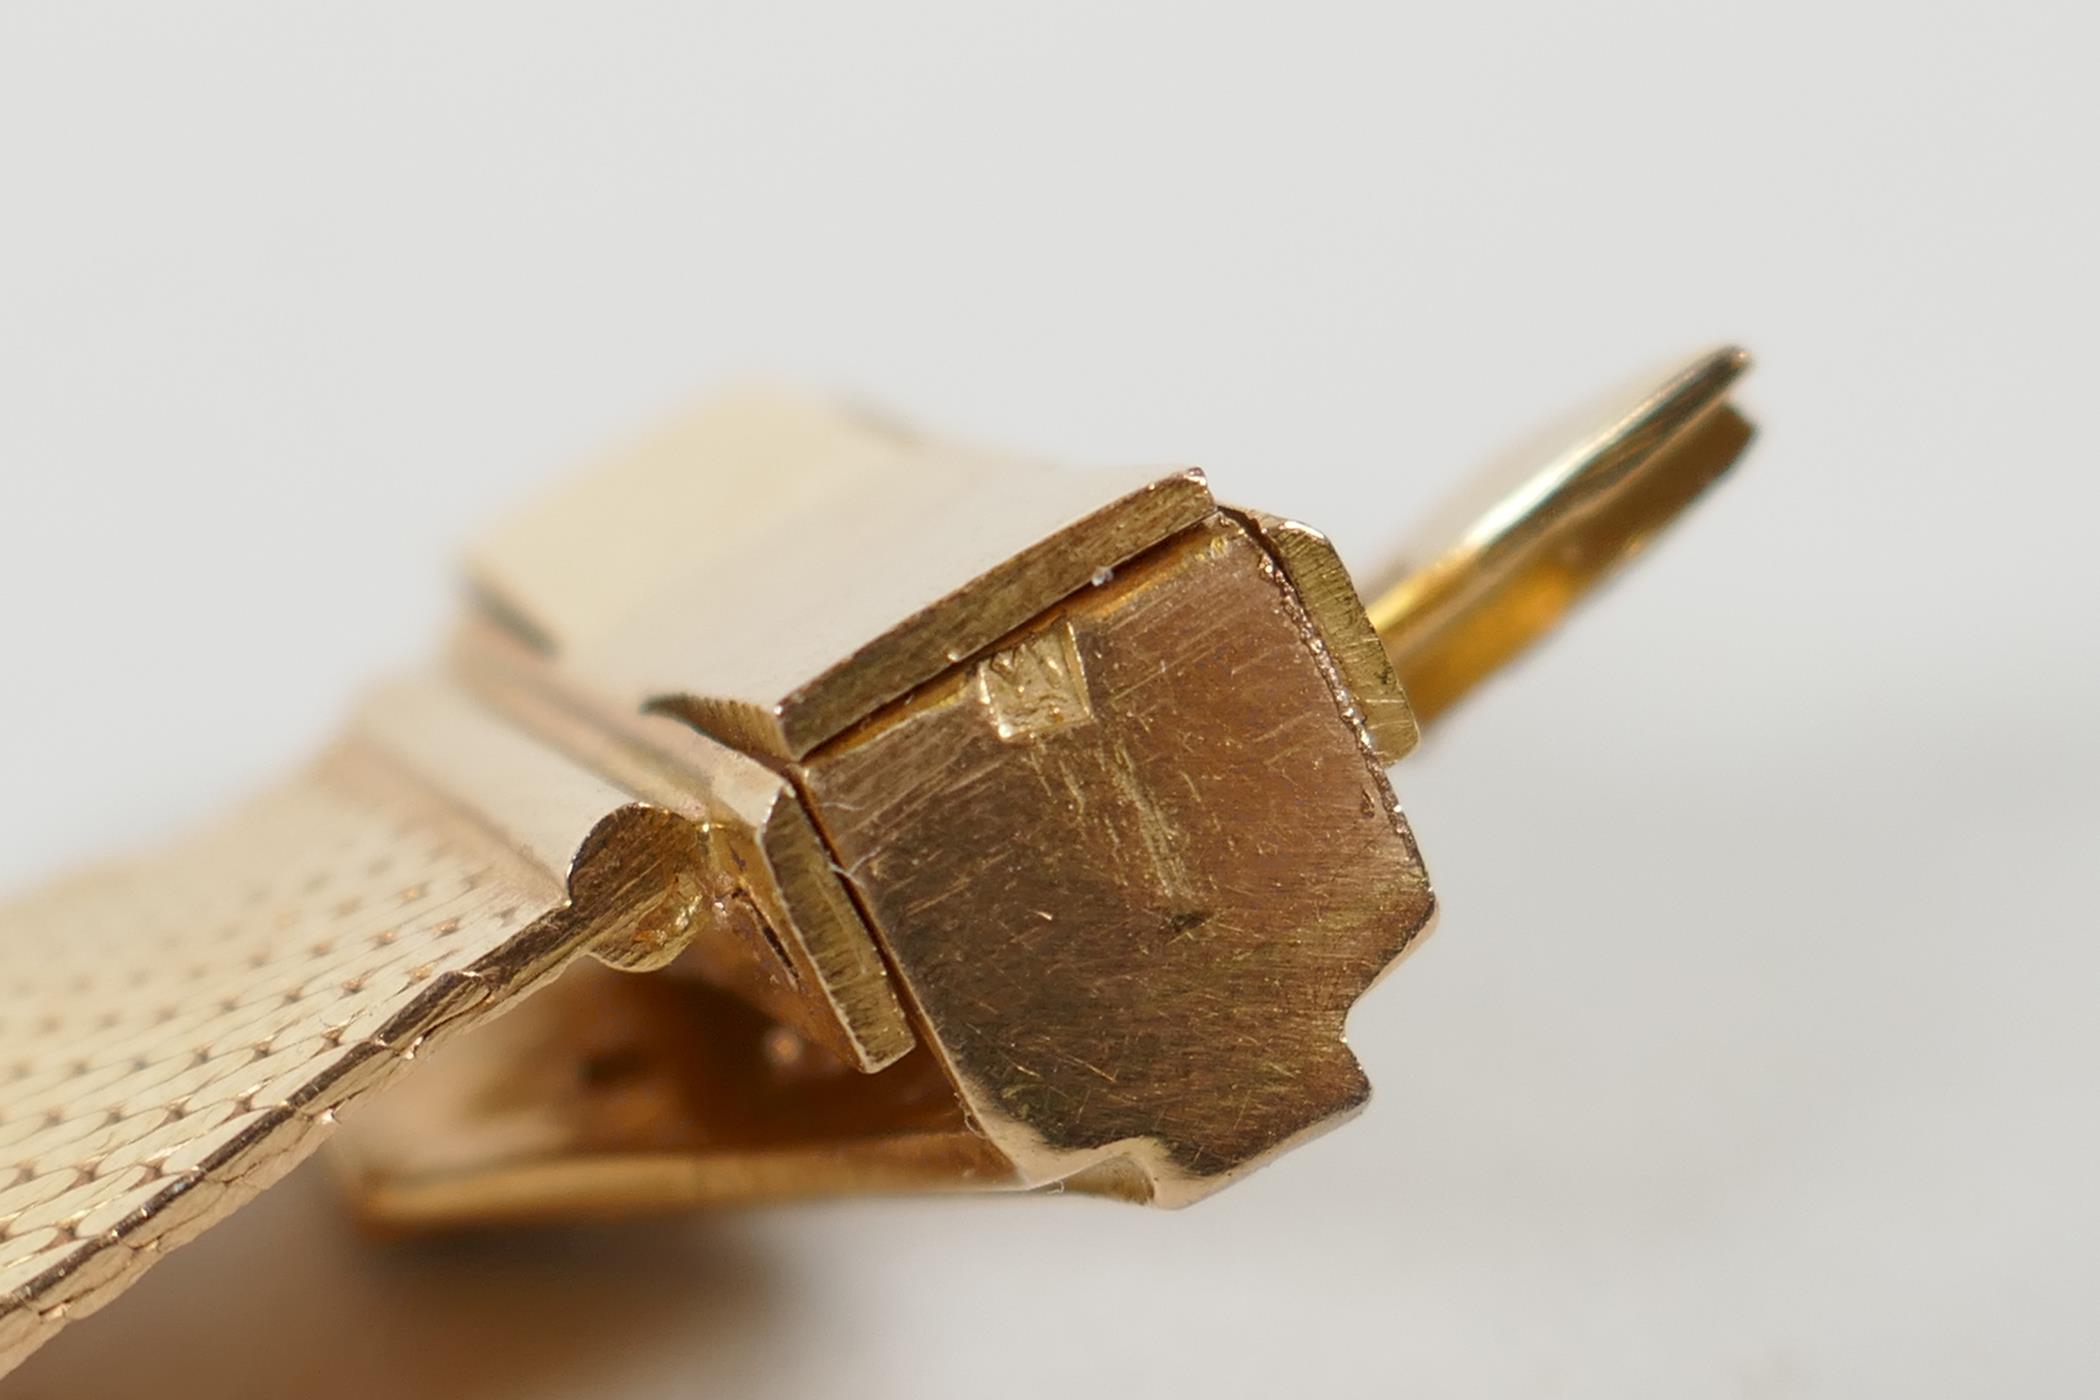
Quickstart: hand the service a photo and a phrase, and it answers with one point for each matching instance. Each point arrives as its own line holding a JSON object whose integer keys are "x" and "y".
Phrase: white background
{"x": 1755, "y": 1054}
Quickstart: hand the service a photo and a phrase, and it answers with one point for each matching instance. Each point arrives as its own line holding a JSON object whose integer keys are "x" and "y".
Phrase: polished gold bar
{"x": 897, "y": 817}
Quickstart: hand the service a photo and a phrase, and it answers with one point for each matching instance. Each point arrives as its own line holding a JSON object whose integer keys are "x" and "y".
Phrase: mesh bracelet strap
{"x": 178, "y": 1031}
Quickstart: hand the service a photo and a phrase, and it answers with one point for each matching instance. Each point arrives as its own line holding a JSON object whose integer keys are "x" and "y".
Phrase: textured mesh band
{"x": 178, "y": 1031}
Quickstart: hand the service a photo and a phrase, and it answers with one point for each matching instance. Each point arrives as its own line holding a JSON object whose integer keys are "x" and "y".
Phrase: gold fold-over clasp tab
{"x": 1502, "y": 563}
{"x": 1037, "y": 823}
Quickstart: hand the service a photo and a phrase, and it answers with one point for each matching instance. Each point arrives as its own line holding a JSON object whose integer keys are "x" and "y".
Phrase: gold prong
{"x": 1517, "y": 569}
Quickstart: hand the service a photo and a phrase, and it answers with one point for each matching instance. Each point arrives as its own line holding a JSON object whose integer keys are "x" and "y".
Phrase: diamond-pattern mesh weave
{"x": 177, "y": 1031}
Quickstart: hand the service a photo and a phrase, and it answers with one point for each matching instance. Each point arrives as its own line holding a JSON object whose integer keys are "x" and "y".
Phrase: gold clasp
{"x": 1041, "y": 826}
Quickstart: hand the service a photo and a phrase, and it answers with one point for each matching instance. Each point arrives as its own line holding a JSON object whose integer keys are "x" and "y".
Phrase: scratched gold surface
{"x": 1133, "y": 868}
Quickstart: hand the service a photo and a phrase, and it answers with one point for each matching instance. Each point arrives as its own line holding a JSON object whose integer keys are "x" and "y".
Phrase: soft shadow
{"x": 286, "y": 1298}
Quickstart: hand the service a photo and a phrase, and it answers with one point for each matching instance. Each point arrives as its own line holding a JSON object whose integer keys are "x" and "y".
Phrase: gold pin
{"x": 972, "y": 825}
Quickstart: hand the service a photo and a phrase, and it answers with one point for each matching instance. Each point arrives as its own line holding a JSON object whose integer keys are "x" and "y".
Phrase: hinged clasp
{"x": 1040, "y": 828}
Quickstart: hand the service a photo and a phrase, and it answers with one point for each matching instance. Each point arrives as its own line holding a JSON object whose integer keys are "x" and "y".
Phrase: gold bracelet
{"x": 983, "y": 827}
